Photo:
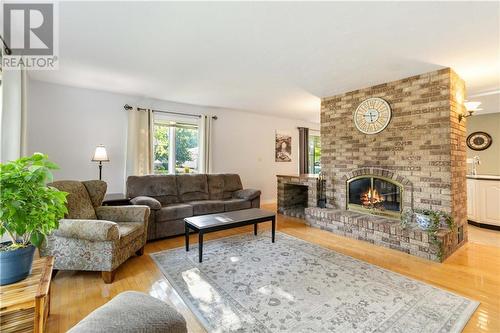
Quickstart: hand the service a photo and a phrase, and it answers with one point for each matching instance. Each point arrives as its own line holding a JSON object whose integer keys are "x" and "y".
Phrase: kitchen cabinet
{"x": 483, "y": 199}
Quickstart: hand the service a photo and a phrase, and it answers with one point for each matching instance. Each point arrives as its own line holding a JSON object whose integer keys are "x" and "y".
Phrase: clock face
{"x": 372, "y": 115}
{"x": 479, "y": 141}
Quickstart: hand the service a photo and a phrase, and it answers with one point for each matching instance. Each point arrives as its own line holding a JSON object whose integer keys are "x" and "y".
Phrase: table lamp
{"x": 100, "y": 155}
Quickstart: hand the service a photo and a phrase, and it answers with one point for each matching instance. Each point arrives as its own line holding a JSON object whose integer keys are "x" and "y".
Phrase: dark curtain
{"x": 303, "y": 150}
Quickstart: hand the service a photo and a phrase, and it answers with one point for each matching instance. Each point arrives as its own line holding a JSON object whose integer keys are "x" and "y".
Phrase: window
{"x": 175, "y": 145}
{"x": 314, "y": 152}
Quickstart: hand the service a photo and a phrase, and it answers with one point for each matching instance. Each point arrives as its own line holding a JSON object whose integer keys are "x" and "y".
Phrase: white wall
{"x": 67, "y": 123}
{"x": 490, "y": 157}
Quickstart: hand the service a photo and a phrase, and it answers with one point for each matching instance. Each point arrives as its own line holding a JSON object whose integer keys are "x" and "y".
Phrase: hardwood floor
{"x": 473, "y": 271}
{"x": 484, "y": 236}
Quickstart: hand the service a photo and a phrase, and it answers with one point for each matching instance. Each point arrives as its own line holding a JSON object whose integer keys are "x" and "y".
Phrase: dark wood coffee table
{"x": 222, "y": 221}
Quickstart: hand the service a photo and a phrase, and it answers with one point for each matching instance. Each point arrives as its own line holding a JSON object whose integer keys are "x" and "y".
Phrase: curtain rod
{"x": 310, "y": 129}
{"x": 128, "y": 108}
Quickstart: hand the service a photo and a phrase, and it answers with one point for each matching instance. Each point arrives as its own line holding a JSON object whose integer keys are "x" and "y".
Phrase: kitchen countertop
{"x": 484, "y": 177}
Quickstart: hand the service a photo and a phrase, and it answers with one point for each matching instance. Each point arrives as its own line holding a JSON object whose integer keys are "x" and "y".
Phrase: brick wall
{"x": 424, "y": 143}
{"x": 458, "y": 151}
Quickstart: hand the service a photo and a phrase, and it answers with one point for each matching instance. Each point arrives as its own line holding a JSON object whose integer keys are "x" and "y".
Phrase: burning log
{"x": 372, "y": 199}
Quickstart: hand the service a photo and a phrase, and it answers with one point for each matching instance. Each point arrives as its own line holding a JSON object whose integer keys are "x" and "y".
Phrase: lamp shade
{"x": 100, "y": 154}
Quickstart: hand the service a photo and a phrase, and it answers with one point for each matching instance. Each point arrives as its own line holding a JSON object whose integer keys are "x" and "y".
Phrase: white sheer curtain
{"x": 139, "y": 142}
{"x": 206, "y": 129}
{"x": 13, "y": 114}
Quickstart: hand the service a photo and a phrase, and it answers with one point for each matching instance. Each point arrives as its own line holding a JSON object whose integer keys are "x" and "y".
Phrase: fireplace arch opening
{"x": 375, "y": 195}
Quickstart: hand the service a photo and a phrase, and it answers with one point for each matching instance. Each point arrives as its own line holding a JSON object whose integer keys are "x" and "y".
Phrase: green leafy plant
{"x": 406, "y": 218}
{"x": 437, "y": 218}
{"x": 29, "y": 209}
{"x": 185, "y": 140}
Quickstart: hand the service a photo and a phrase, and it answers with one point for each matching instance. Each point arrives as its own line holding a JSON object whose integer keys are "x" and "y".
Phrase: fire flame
{"x": 371, "y": 197}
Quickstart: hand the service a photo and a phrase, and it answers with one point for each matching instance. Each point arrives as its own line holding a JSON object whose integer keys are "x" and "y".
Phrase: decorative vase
{"x": 423, "y": 221}
{"x": 15, "y": 265}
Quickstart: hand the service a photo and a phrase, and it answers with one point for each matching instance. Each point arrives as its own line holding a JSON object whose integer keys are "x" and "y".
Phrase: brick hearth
{"x": 380, "y": 231}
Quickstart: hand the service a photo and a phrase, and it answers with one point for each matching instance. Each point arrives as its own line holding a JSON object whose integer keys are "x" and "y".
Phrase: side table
{"x": 26, "y": 304}
{"x": 116, "y": 199}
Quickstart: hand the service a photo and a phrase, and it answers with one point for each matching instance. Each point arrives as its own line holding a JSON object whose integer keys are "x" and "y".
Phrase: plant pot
{"x": 423, "y": 221}
{"x": 15, "y": 265}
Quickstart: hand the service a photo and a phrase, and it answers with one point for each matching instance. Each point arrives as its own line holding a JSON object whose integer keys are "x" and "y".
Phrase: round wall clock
{"x": 479, "y": 141}
{"x": 372, "y": 115}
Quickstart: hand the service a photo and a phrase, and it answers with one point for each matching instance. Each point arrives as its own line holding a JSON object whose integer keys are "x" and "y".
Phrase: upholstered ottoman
{"x": 131, "y": 312}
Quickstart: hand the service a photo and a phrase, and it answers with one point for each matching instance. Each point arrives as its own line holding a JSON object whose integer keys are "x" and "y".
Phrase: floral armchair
{"x": 92, "y": 237}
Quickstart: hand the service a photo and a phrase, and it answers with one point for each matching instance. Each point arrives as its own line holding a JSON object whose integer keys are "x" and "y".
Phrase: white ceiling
{"x": 490, "y": 101}
{"x": 279, "y": 57}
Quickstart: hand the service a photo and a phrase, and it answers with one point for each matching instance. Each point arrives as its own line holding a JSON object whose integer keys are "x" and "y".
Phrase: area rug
{"x": 248, "y": 284}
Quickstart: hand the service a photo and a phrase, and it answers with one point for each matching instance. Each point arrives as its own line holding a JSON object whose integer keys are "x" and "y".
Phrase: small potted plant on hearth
{"x": 29, "y": 210}
{"x": 428, "y": 219}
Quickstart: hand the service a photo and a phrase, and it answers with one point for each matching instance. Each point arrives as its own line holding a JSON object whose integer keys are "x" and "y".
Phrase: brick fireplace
{"x": 296, "y": 193}
{"x": 421, "y": 156}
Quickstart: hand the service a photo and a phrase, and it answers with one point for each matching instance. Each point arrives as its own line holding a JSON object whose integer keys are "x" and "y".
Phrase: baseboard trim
{"x": 484, "y": 225}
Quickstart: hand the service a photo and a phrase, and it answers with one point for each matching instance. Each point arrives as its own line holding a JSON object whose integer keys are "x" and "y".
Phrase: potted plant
{"x": 29, "y": 210}
{"x": 428, "y": 219}
{"x": 424, "y": 217}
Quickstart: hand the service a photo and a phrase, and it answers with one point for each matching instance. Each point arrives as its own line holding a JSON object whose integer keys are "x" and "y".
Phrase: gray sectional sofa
{"x": 172, "y": 198}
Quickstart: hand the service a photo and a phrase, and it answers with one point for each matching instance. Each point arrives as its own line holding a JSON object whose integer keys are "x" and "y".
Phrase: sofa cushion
{"x": 160, "y": 187}
{"x": 236, "y": 204}
{"x": 232, "y": 182}
{"x": 207, "y": 207}
{"x": 79, "y": 203}
{"x": 215, "y": 186}
{"x": 129, "y": 231}
{"x": 192, "y": 187}
{"x": 174, "y": 212}
{"x": 247, "y": 194}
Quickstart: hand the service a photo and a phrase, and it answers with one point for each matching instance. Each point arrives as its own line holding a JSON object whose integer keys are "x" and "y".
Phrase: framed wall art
{"x": 283, "y": 147}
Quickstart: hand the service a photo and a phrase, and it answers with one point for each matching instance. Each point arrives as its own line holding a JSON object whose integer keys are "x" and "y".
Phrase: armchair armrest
{"x": 94, "y": 230}
{"x": 247, "y": 194}
{"x": 147, "y": 201}
{"x": 123, "y": 213}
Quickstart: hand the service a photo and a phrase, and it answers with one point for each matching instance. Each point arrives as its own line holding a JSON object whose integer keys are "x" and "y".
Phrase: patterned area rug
{"x": 248, "y": 284}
